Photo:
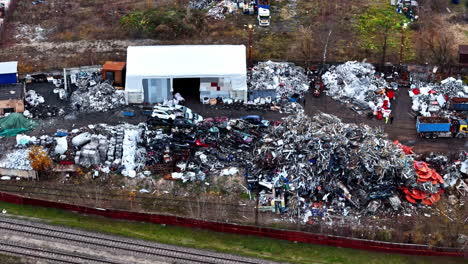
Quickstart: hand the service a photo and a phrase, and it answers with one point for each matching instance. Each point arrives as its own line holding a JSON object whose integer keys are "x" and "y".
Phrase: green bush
{"x": 162, "y": 23}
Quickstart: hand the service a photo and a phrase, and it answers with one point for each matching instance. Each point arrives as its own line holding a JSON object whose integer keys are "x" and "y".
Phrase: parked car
{"x": 154, "y": 121}
{"x": 197, "y": 118}
{"x": 183, "y": 123}
{"x": 163, "y": 107}
{"x": 161, "y": 114}
{"x": 256, "y": 120}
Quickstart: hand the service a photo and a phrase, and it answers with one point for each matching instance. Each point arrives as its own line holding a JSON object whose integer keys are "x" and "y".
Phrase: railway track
{"x": 47, "y": 255}
{"x": 118, "y": 245}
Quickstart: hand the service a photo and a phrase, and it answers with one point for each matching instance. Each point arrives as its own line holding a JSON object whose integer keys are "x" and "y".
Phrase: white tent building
{"x": 155, "y": 73}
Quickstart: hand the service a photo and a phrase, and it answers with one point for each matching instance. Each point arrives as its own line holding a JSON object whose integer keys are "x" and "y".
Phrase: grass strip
{"x": 258, "y": 247}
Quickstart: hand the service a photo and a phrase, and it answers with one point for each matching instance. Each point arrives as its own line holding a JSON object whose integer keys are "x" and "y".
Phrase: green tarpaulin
{"x": 14, "y": 124}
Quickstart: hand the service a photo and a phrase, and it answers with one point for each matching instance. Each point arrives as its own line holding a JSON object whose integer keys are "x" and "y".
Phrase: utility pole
{"x": 250, "y": 30}
{"x": 402, "y": 44}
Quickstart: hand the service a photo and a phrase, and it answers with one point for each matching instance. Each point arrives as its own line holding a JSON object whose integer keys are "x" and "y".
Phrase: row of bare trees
{"x": 377, "y": 35}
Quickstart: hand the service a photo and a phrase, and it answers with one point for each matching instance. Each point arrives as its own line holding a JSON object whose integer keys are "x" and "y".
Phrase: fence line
{"x": 411, "y": 249}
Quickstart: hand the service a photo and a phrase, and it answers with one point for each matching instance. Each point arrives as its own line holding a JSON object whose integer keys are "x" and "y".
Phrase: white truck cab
{"x": 263, "y": 17}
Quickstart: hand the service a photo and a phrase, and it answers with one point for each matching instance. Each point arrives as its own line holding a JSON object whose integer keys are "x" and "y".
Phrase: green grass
{"x": 277, "y": 250}
{"x": 4, "y": 259}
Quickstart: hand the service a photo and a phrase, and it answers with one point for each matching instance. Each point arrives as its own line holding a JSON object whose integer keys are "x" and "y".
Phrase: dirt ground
{"x": 61, "y": 33}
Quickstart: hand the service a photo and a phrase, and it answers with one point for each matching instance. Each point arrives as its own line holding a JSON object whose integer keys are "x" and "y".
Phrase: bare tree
{"x": 434, "y": 43}
{"x": 305, "y": 44}
{"x": 441, "y": 46}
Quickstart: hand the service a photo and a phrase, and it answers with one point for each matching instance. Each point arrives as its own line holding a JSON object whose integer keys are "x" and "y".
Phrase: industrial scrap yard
{"x": 210, "y": 124}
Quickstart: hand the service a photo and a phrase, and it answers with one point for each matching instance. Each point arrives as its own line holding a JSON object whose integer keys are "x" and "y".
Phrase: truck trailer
{"x": 459, "y": 104}
{"x": 434, "y": 127}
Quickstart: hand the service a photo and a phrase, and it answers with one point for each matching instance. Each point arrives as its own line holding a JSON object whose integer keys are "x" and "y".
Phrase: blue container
{"x": 432, "y": 127}
{"x": 460, "y": 107}
{"x": 8, "y": 78}
{"x": 456, "y": 2}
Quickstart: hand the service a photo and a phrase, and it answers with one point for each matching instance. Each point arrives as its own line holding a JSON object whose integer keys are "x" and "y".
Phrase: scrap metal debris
{"x": 17, "y": 160}
{"x": 356, "y": 83}
{"x": 324, "y": 160}
{"x": 100, "y": 97}
{"x": 430, "y": 98}
{"x": 33, "y": 98}
{"x": 216, "y": 9}
{"x": 301, "y": 167}
{"x": 283, "y": 77}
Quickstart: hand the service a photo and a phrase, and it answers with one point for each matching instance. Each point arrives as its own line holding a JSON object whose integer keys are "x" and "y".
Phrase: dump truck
{"x": 459, "y": 104}
{"x": 434, "y": 127}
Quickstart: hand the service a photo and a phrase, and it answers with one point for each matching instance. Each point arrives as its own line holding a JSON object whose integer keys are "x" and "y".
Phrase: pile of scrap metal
{"x": 216, "y": 9}
{"x": 431, "y": 98}
{"x": 200, "y": 4}
{"x": 323, "y": 164}
{"x": 37, "y": 108}
{"x": 301, "y": 167}
{"x": 284, "y": 78}
{"x": 216, "y": 146}
{"x": 454, "y": 170}
{"x": 96, "y": 97}
{"x": 356, "y": 83}
{"x": 17, "y": 159}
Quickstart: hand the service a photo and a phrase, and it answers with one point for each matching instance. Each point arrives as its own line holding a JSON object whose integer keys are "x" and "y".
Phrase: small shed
{"x": 8, "y": 72}
{"x": 114, "y": 71}
{"x": 463, "y": 54}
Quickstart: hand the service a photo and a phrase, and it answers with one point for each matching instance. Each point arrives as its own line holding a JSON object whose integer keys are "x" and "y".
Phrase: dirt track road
{"x": 403, "y": 128}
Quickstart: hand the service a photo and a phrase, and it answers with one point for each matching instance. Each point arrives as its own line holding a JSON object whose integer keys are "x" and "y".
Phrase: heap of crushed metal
{"x": 322, "y": 164}
{"x": 100, "y": 97}
{"x": 285, "y": 78}
{"x": 355, "y": 82}
{"x": 301, "y": 167}
{"x": 431, "y": 98}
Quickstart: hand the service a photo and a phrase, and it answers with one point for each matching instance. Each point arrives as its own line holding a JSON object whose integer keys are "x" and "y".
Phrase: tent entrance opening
{"x": 189, "y": 88}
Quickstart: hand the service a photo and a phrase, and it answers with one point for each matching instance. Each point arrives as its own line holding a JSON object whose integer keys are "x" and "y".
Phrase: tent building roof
{"x": 8, "y": 67}
{"x": 186, "y": 61}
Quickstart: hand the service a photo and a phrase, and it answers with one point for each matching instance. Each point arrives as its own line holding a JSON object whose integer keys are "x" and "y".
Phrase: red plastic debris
{"x": 416, "y": 91}
{"x": 379, "y": 115}
{"x": 407, "y": 150}
{"x": 391, "y": 94}
{"x": 424, "y": 174}
{"x": 385, "y": 104}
